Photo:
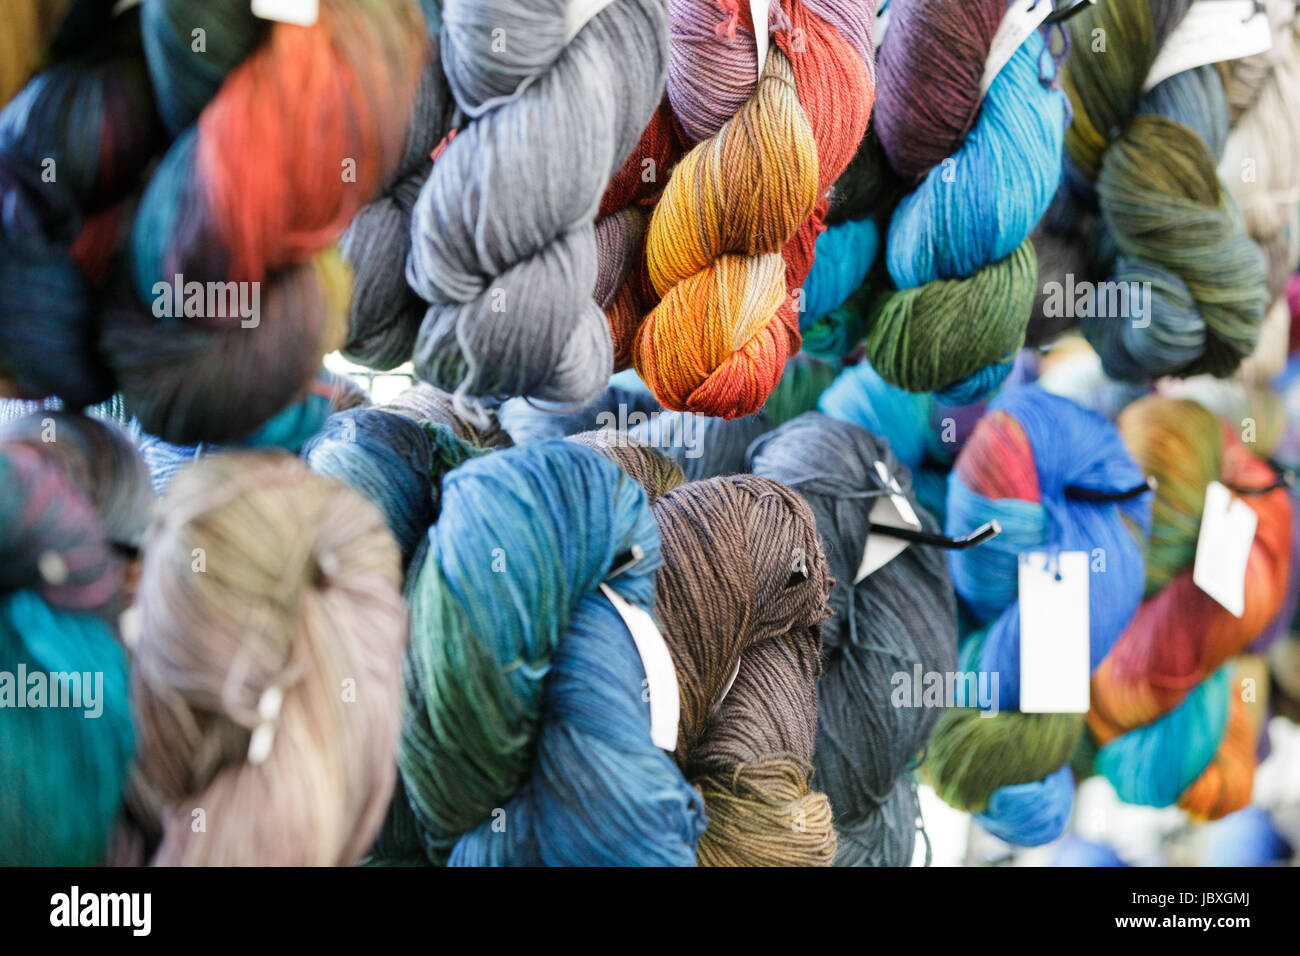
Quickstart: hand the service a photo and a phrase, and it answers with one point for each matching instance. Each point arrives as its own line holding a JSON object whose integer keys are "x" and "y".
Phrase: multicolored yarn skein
{"x": 741, "y": 598}
{"x": 1169, "y": 720}
{"x": 267, "y": 661}
{"x": 247, "y": 203}
{"x": 986, "y": 168}
{"x": 899, "y": 619}
{"x": 1148, "y": 161}
{"x": 1043, "y": 468}
{"x": 509, "y": 272}
{"x": 526, "y": 737}
{"x": 732, "y": 238}
{"x": 66, "y": 737}
{"x": 73, "y": 144}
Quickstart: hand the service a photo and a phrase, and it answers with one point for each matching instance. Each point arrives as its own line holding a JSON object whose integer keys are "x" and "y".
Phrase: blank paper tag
{"x": 1054, "y": 633}
{"x": 882, "y": 24}
{"x": 661, "y": 678}
{"x": 301, "y": 13}
{"x": 1017, "y": 23}
{"x": 579, "y": 14}
{"x": 1223, "y": 548}
{"x": 758, "y": 10}
{"x": 1211, "y": 32}
{"x": 893, "y": 510}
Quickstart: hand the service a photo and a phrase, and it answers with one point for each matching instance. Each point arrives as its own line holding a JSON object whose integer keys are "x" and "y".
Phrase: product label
{"x": 882, "y": 23}
{"x": 1054, "y": 633}
{"x": 661, "y": 677}
{"x": 758, "y": 10}
{"x": 579, "y": 14}
{"x": 895, "y": 510}
{"x": 302, "y": 13}
{"x": 1211, "y": 32}
{"x": 1223, "y": 548}
{"x": 1022, "y": 18}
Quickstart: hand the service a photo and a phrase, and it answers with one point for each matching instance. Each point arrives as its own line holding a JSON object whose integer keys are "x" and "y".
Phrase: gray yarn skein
{"x": 901, "y": 615}
{"x": 502, "y": 241}
{"x": 385, "y": 313}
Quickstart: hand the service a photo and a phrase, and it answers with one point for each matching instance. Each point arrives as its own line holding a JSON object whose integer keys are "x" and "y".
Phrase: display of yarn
{"x": 827, "y": 419}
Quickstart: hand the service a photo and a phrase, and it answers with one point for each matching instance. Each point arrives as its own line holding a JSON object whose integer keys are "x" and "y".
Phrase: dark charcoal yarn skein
{"x": 741, "y": 598}
{"x": 901, "y": 616}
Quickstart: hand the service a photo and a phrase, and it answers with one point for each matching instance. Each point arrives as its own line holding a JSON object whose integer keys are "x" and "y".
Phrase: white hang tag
{"x": 661, "y": 677}
{"x": 758, "y": 10}
{"x": 125, "y": 5}
{"x": 895, "y": 510}
{"x": 1212, "y": 31}
{"x": 1054, "y": 633}
{"x": 1223, "y": 548}
{"x": 1017, "y": 24}
{"x": 882, "y": 24}
{"x": 302, "y": 13}
{"x": 579, "y": 14}
{"x": 731, "y": 682}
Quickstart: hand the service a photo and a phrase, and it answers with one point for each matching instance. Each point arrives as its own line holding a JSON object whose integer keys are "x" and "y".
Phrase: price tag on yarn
{"x": 1212, "y": 31}
{"x": 895, "y": 510}
{"x": 579, "y": 13}
{"x": 302, "y": 13}
{"x": 660, "y": 675}
{"x": 758, "y": 10}
{"x": 1054, "y": 633}
{"x": 1022, "y": 18}
{"x": 1223, "y": 548}
{"x": 881, "y": 24}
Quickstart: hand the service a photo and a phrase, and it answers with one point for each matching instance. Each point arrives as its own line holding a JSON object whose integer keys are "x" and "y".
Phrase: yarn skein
{"x": 733, "y": 235}
{"x": 741, "y": 598}
{"x": 267, "y": 667}
{"x": 526, "y": 737}
{"x": 509, "y": 273}
{"x": 900, "y": 618}
{"x": 1035, "y": 463}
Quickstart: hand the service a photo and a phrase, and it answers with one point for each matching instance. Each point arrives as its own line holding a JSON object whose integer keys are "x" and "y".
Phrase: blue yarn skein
{"x": 1070, "y": 448}
{"x": 980, "y": 207}
{"x": 842, "y": 258}
{"x": 524, "y": 686}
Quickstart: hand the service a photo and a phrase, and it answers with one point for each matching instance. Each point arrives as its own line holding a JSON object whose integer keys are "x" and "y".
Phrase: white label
{"x": 1211, "y": 32}
{"x": 758, "y": 11}
{"x": 1223, "y": 548}
{"x": 302, "y": 13}
{"x": 579, "y": 14}
{"x": 882, "y": 23}
{"x": 125, "y": 5}
{"x": 1054, "y": 633}
{"x": 731, "y": 682}
{"x": 661, "y": 677}
{"x": 893, "y": 510}
{"x": 1022, "y": 18}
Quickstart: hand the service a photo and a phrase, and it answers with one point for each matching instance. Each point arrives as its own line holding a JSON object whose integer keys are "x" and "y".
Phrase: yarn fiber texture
{"x": 266, "y": 674}
{"x": 741, "y": 599}
{"x": 900, "y": 617}
{"x": 526, "y": 737}
{"x": 509, "y": 272}
{"x": 1012, "y": 768}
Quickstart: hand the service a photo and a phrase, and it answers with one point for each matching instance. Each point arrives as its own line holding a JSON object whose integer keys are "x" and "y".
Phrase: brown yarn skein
{"x": 743, "y": 591}
{"x": 263, "y": 579}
